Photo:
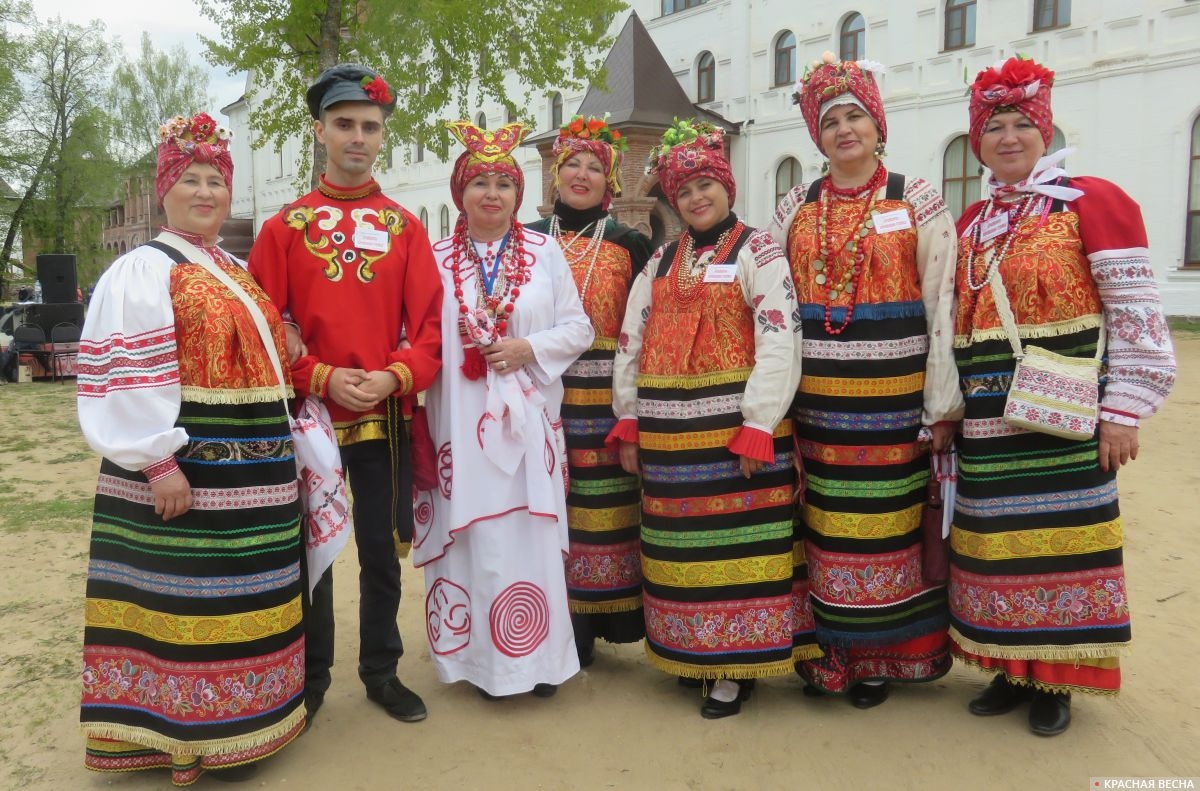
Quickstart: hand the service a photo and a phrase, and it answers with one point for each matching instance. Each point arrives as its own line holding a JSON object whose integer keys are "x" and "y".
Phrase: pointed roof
{"x": 642, "y": 90}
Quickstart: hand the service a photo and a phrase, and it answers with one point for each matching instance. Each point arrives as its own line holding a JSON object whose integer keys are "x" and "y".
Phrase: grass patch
{"x": 64, "y": 514}
{"x": 71, "y": 458}
{"x": 1184, "y": 325}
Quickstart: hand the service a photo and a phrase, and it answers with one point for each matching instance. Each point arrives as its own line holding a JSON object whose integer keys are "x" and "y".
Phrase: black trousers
{"x": 380, "y": 500}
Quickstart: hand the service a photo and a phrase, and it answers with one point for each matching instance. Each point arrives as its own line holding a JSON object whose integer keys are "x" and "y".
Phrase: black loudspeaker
{"x": 46, "y": 315}
{"x": 57, "y": 275}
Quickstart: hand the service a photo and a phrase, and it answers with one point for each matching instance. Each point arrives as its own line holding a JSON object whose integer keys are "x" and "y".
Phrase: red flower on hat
{"x": 1015, "y": 72}
{"x": 595, "y": 125}
{"x": 377, "y": 90}
{"x": 576, "y": 125}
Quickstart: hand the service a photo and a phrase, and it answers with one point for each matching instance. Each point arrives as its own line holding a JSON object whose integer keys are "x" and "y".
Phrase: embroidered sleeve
{"x": 570, "y": 333}
{"x": 128, "y": 367}
{"x": 405, "y": 377}
{"x": 629, "y": 342}
{"x": 1141, "y": 358}
{"x": 785, "y": 213}
{"x": 766, "y": 280}
{"x": 937, "y": 256}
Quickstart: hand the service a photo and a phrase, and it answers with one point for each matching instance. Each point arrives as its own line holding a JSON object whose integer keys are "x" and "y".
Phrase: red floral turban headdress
{"x": 690, "y": 149}
{"x": 829, "y": 82}
{"x": 1018, "y": 83}
{"x": 487, "y": 152}
{"x": 595, "y": 136}
{"x": 185, "y": 141}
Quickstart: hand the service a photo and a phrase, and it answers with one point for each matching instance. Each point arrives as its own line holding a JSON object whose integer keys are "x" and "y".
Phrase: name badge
{"x": 371, "y": 239}
{"x": 720, "y": 273}
{"x": 996, "y": 225}
{"x": 888, "y": 221}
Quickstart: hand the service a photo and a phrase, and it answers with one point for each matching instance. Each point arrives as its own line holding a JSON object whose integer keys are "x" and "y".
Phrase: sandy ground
{"x": 619, "y": 724}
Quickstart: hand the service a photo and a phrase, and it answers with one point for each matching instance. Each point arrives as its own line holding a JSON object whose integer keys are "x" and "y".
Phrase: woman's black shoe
{"x": 867, "y": 696}
{"x": 1000, "y": 697}
{"x": 810, "y": 691}
{"x": 1050, "y": 713}
{"x": 545, "y": 690}
{"x": 586, "y": 652}
{"x": 714, "y": 709}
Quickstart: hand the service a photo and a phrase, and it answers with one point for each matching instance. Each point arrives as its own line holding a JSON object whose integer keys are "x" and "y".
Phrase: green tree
{"x": 63, "y": 134}
{"x": 13, "y": 16}
{"x": 438, "y": 56}
{"x": 148, "y": 90}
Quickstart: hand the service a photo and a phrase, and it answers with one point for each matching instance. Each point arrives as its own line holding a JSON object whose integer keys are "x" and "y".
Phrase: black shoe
{"x": 714, "y": 709}
{"x": 691, "y": 683}
{"x": 1000, "y": 697}
{"x": 867, "y": 696}
{"x": 810, "y": 691}
{"x": 545, "y": 690}
{"x": 398, "y": 701}
{"x": 587, "y": 653}
{"x": 234, "y": 774}
{"x": 312, "y": 702}
{"x": 1050, "y": 713}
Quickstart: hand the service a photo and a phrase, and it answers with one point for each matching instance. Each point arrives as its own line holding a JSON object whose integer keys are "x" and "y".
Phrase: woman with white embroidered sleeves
{"x": 193, "y": 580}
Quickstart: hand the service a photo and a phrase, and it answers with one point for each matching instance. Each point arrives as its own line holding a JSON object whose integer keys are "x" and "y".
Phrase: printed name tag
{"x": 720, "y": 273}
{"x": 994, "y": 226}
{"x": 370, "y": 239}
{"x": 888, "y": 221}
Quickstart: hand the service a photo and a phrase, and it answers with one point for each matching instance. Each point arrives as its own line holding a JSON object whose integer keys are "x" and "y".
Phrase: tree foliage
{"x": 152, "y": 87}
{"x": 441, "y": 57}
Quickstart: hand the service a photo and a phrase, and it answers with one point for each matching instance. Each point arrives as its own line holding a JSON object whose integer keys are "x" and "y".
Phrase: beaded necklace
{"x": 687, "y": 286}
{"x": 848, "y": 279}
{"x": 575, "y": 258}
{"x": 512, "y": 273}
{"x": 998, "y": 247}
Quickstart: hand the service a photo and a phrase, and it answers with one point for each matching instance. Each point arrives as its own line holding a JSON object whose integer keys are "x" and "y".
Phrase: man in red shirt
{"x": 354, "y": 271}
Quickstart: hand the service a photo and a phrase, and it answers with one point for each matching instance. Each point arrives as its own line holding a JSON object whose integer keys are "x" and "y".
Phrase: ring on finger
{"x": 504, "y": 365}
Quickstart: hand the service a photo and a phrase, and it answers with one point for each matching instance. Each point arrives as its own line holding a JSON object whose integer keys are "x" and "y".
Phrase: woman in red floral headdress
{"x": 1037, "y": 586}
{"x": 604, "y": 573}
{"x": 872, "y": 255}
{"x": 193, "y": 647}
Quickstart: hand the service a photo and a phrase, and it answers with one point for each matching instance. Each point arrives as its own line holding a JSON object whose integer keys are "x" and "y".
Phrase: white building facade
{"x": 1126, "y": 97}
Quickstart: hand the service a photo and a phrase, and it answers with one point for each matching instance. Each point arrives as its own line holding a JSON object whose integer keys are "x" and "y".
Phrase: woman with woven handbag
{"x": 1051, "y": 270}
{"x": 193, "y": 655}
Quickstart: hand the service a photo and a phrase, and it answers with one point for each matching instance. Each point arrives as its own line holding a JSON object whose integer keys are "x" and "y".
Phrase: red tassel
{"x": 473, "y": 366}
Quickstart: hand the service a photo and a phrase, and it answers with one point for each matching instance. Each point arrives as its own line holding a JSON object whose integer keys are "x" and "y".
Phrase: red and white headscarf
{"x": 595, "y": 136}
{"x": 487, "y": 152}
{"x": 830, "y": 82}
{"x": 184, "y": 141}
{"x": 689, "y": 150}
{"x": 1019, "y": 84}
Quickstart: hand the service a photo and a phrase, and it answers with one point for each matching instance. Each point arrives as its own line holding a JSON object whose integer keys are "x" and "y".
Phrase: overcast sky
{"x": 169, "y": 22}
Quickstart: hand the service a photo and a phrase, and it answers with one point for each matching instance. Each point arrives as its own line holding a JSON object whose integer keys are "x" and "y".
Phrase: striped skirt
{"x": 858, "y": 413}
{"x": 717, "y": 548}
{"x": 1037, "y": 583}
{"x": 604, "y": 572}
{"x": 193, "y": 652}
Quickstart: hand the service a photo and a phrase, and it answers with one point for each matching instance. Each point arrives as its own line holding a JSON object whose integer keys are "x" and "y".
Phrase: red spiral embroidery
{"x": 520, "y": 619}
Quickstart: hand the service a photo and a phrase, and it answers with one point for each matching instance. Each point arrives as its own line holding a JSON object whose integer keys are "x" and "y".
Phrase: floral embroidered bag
{"x": 1050, "y": 392}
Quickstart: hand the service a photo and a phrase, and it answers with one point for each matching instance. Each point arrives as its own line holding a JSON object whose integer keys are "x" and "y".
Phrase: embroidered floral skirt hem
{"x": 604, "y": 572}
{"x": 1037, "y": 582}
{"x": 718, "y": 554}
{"x": 858, "y": 413}
{"x": 193, "y": 643}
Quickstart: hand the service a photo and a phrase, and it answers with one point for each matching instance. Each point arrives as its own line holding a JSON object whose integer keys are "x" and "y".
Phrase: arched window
{"x": 671, "y": 6}
{"x": 555, "y": 110}
{"x": 785, "y": 59}
{"x": 444, "y": 221}
{"x": 481, "y": 120}
{"x": 424, "y": 219}
{"x": 510, "y": 115}
{"x": 1058, "y": 141}
{"x": 706, "y": 78}
{"x": 1049, "y": 14}
{"x": 789, "y": 174}
{"x": 960, "y": 24}
{"x": 961, "y": 176}
{"x": 853, "y": 44}
{"x": 1191, "y": 252}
